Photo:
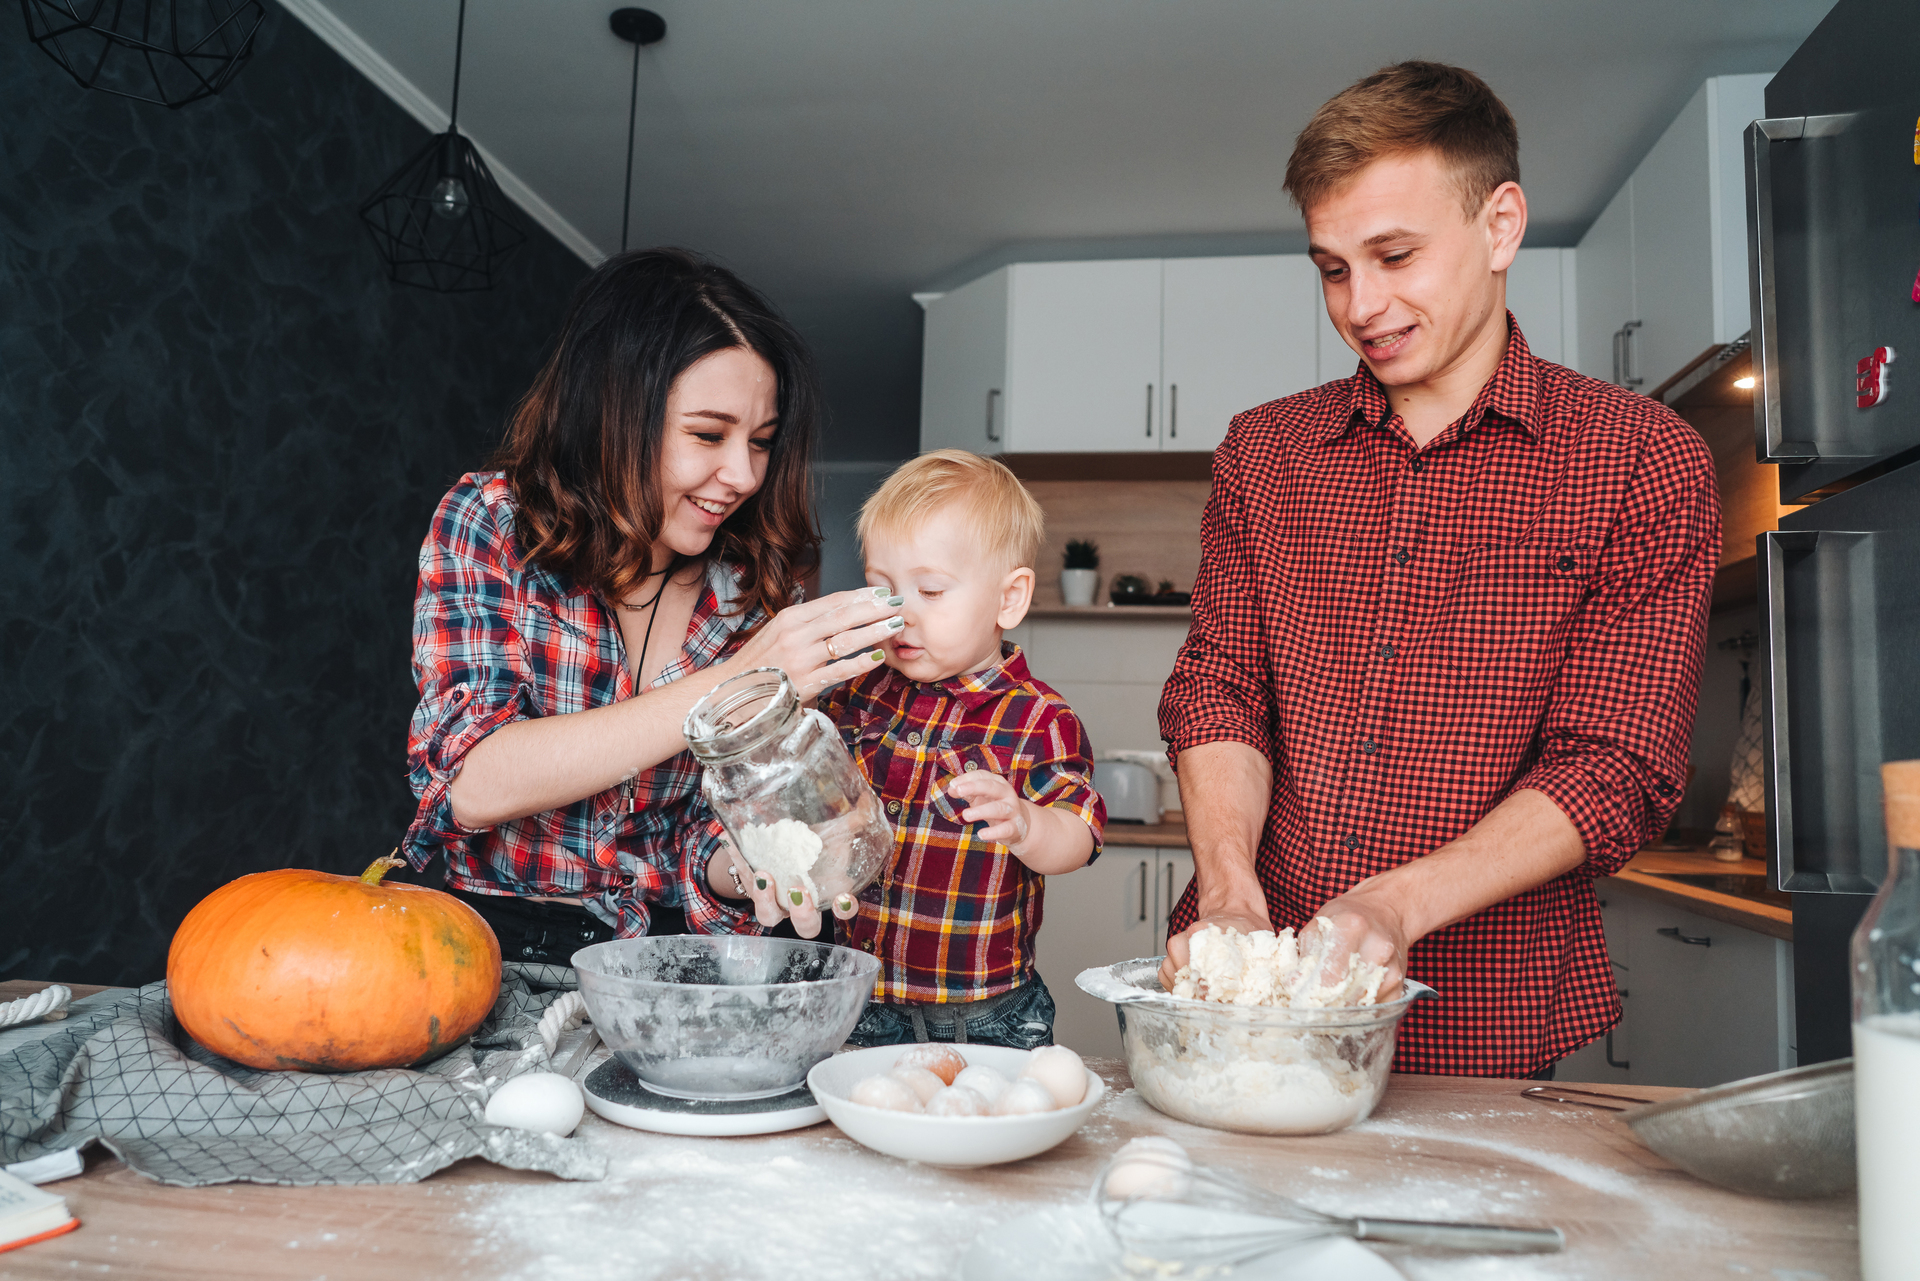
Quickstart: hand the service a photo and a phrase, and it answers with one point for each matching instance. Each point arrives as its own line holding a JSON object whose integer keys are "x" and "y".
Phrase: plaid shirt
{"x": 1412, "y": 635}
{"x": 953, "y": 919}
{"x": 496, "y": 639}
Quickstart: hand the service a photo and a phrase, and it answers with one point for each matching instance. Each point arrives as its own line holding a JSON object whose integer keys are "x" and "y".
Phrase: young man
{"x": 986, "y": 772}
{"x": 1449, "y": 616}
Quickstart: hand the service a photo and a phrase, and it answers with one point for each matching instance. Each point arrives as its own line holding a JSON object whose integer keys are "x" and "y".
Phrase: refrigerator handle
{"x": 1769, "y": 429}
{"x": 1775, "y": 546}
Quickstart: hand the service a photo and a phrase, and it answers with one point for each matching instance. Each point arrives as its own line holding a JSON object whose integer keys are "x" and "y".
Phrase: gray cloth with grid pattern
{"x": 126, "y": 1075}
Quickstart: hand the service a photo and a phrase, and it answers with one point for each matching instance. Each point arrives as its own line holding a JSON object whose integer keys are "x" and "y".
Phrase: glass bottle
{"x": 785, "y": 787}
{"x": 1886, "y": 1043}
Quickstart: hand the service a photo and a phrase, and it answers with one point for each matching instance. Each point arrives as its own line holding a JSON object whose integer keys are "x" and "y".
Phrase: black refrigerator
{"x": 1833, "y": 205}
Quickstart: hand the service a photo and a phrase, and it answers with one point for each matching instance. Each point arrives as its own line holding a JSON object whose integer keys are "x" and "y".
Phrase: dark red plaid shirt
{"x": 953, "y": 918}
{"x": 496, "y": 640}
{"x": 1412, "y": 635}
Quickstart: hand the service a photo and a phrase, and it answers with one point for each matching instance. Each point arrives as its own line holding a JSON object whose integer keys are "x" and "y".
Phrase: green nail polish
{"x": 759, "y": 882}
{"x": 795, "y": 896}
{"x": 896, "y": 601}
{"x": 876, "y": 656}
{"x": 896, "y": 624}
{"x": 881, "y": 593}
{"x": 845, "y": 904}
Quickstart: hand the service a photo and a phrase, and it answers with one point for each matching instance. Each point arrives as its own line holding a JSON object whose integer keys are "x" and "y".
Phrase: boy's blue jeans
{"x": 1021, "y": 1018}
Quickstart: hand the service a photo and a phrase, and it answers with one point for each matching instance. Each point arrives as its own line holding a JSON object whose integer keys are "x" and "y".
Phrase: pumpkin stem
{"x": 381, "y": 866}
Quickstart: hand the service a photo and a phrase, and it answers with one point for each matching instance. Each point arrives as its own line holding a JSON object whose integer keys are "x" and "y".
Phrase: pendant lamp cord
{"x": 633, "y": 105}
{"x": 459, "y": 46}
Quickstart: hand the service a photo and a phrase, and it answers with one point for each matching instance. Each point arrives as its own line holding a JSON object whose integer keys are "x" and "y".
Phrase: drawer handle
{"x": 1143, "y": 889}
{"x": 1673, "y": 932}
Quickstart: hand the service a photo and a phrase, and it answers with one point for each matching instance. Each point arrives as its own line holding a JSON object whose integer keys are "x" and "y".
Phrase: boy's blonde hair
{"x": 1005, "y": 517}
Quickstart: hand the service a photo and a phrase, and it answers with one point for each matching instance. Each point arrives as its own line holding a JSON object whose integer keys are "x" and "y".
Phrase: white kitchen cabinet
{"x": 1125, "y": 356}
{"x": 1681, "y": 288}
{"x": 1235, "y": 333}
{"x": 1112, "y": 911}
{"x": 1705, "y": 1001}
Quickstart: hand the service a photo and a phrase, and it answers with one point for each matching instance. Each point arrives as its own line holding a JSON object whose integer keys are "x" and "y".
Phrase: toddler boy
{"x": 986, "y": 773}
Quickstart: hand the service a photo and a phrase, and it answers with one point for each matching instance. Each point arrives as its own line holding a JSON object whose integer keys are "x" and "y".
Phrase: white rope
{"x": 564, "y": 1014}
{"x": 48, "y": 1003}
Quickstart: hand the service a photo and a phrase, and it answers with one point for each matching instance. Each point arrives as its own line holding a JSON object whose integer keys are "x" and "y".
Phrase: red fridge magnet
{"x": 1870, "y": 377}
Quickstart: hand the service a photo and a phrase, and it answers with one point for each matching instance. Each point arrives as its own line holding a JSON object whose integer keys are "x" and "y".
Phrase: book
{"x": 29, "y": 1214}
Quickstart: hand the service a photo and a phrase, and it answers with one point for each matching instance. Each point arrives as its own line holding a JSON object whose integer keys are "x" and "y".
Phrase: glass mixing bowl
{"x": 723, "y": 1016}
{"x": 1257, "y": 1069}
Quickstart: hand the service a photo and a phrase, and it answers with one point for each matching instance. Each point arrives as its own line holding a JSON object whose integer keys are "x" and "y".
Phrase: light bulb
{"x": 1744, "y": 384}
{"x": 449, "y": 198}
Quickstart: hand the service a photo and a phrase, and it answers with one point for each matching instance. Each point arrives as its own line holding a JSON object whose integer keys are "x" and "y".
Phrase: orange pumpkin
{"x": 307, "y": 971}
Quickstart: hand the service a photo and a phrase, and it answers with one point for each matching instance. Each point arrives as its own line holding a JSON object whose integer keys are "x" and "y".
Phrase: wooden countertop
{"x": 1171, "y": 833}
{"x": 813, "y": 1203}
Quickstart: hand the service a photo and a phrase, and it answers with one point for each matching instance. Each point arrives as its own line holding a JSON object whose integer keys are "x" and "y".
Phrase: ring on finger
{"x": 832, "y": 651}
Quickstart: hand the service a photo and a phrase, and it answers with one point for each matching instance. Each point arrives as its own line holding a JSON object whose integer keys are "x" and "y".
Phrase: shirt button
{"x": 1367, "y": 746}
{"x": 972, "y": 765}
{"x": 893, "y": 807}
{"x": 1566, "y": 564}
{"x": 914, "y": 738}
{"x": 1400, "y": 556}
{"x": 1352, "y": 841}
{"x": 1386, "y": 651}
{"x": 1418, "y": 465}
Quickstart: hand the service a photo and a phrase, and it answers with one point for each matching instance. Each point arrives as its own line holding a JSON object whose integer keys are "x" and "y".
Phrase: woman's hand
{"x": 772, "y": 903}
{"x": 820, "y": 643}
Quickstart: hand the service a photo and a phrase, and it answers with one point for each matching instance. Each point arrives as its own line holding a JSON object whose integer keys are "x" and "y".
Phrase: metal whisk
{"x": 1147, "y": 1200}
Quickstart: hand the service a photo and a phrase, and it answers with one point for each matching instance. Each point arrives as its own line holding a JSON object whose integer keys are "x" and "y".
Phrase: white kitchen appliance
{"x": 1132, "y": 792}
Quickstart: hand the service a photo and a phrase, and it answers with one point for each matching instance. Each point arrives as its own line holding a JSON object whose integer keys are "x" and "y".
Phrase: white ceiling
{"x": 842, "y": 153}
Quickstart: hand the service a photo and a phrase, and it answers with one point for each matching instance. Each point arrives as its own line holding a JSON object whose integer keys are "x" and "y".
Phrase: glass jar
{"x": 785, "y": 787}
{"x": 1886, "y": 1043}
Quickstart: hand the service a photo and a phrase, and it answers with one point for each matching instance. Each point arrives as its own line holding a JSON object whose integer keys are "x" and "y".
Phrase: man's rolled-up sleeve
{"x": 1217, "y": 691}
{"x": 469, "y": 661}
{"x": 1616, "y": 732}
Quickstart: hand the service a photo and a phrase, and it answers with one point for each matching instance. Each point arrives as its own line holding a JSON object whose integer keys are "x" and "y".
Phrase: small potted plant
{"x": 1081, "y": 577}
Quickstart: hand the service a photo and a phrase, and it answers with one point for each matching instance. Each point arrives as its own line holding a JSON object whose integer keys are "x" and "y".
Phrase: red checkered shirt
{"x": 953, "y": 918}
{"x": 1412, "y": 635}
{"x": 497, "y": 639}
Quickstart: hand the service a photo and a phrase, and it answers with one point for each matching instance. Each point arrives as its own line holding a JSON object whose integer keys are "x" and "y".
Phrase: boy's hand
{"x": 992, "y": 800}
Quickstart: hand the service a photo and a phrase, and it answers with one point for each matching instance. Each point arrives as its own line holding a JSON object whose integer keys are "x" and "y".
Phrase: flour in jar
{"x": 1264, "y": 968}
{"x": 785, "y": 850}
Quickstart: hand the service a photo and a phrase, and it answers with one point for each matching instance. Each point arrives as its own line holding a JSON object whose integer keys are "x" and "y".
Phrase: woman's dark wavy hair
{"x": 583, "y": 452}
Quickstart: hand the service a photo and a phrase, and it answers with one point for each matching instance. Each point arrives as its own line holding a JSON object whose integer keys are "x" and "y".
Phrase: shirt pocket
{"x": 950, "y": 762}
{"x": 1507, "y": 618}
{"x": 568, "y": 657}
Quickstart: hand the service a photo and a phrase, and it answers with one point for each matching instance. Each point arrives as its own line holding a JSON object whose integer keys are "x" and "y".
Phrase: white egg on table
{"x": 923, "y": 1083}
{"x": 1152, "y": 1166}
{"x": 1023, "y": 1098}
{"x": 984, "y": 1081}
{"x": 888, "y": 1092}
{"x": 1061, "y": 1071}
{"x": 542, "y": 1102}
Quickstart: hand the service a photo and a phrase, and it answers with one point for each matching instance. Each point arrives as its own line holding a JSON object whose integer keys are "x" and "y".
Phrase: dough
{"x": 785, "y": 851}
{"x": 1264, "y": 968}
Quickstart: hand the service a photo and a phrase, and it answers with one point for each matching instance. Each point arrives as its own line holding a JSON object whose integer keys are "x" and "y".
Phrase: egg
{"x": 543, "y": 1102}
{"x": 984, "y": 1081}
{"x": 1023, "y": 1098}
{"x": 923, "y": 1083}
{"x": 1060, "y": 1070}
{"x": 888, "y": 1092}
{"x": 957, "y": 1100}
{"x": 1152, "y": 1166}
{"x": 942, "y": 1060}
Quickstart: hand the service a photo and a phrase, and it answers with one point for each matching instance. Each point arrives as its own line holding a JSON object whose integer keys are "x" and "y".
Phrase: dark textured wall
{"x": 222, "y": 433}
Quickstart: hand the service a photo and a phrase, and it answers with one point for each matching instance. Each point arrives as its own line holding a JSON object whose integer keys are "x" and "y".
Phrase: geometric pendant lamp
{"x": 169, "y": 52}
{"x": 440, "y": 222}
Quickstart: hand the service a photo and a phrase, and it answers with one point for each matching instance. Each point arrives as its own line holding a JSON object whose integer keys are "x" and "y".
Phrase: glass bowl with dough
{"x": 1236, "y": 1062}
{"x": 723, "y": 1016}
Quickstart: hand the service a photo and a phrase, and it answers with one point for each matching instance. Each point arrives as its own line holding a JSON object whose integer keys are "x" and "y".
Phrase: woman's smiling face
{"x": 720, "y": 420}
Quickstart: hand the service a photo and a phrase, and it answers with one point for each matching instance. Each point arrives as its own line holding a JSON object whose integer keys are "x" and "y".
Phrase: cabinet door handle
{"x": 993, "y": 398}
{"x": 1628, "y": 361}
{"x": 1612, "y": 1062}
{"x": 1166, "y": 913}
{"x": 1673, "y": 932}
{"x": 1143, "y": 889}
{"x": 1173, "y": 410}
{"x": 1149, "y": 411}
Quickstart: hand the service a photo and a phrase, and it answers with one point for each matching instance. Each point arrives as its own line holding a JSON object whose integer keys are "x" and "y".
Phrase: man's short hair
{"x": 1005, "y": 518}
{"x": 1410, "y": 106}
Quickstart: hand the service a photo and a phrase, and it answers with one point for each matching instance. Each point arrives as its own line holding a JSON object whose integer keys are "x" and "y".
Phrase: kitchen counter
{"x": 814, "y": 1204}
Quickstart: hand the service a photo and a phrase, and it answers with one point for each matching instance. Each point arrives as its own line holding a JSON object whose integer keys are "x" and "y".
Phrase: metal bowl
{"x": 1785, "y": 1134}
{"x": 1255, "y": 1069}
{"x": 723, "y": 1016}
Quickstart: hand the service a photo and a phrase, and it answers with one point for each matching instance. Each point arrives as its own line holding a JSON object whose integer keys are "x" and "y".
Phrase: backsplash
{"x": 1149, "y": 528}
{"x": 222, "y": 433}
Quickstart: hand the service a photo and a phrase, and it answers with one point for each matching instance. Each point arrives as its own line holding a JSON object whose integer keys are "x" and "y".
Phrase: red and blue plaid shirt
{"x": 953, "y": 918}
{"x": 497, "y": 639}
{"x": 1411, "y": 635}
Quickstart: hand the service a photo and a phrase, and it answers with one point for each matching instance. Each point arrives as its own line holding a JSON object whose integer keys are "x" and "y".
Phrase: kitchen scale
{"x": 614, "y": 1092}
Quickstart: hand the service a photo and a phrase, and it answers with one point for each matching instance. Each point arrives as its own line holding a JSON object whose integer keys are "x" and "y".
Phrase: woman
{"x": 642, "y": 539}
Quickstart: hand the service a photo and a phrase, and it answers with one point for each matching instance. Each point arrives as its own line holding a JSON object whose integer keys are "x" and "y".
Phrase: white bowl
{"x": 961, "y": 1141}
